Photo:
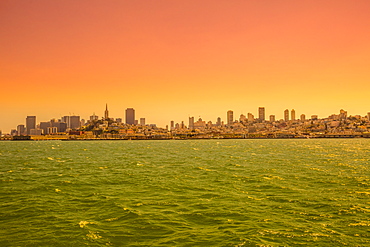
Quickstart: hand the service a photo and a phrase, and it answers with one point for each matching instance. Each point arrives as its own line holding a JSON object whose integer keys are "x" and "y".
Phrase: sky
{"x": 173, "y": 59}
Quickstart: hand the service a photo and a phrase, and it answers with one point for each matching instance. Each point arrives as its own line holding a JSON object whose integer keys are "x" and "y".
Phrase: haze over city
{"x": 174, "y": 59}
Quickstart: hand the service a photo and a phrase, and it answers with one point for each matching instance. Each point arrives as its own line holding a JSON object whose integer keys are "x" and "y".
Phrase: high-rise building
{"x": 106, "y": 112}
{"x": 44, "y": 126}
{"x": 130, "y": 116}
{"x": 66, "y": 119}
{"x": 242, "y": 118}
{"x": 142, "y": 121}
{"x": 93, "y": 117}
{"x": 21, "y": 129}
{"x": 172, "y": 125}
{"x": 303, "y": 117}
{"x": 286, "y": 115}
{"x": 261, "y": 113}
{"x": 230, "y": 117}
{"x": 218, "y": 123}
{"x": 292, "y": 114}
{"x": 74, "y": 122}
{"x": 272, "y": 118}
{"x": 30, "y": 123}
{"x": 250, "y": 117}
{"x": 191, "y": 123}
{"x": 342, "y": 114}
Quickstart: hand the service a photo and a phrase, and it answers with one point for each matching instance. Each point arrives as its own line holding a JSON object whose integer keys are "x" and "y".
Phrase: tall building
{"x": 130, "y": 116}
{"x": 230, "y": 117}
{"x": 303, "y": 117}
{"x": 250, "y": 118}
{"x": 292, "y": 114}
{"x": 44, "y": 126}
{"x": 106, "y": 112}
{"x": 66, "y": 119}
{"x": 142, "y": 121}
{"x": 272, "y": 118}
{"x": 342, "y": 114}
{"x": 191, "y": 123}
{"x": 218, "y": 123}
{"x": 21, "y": 129}
{"x": 30, "y": 123}
{"x": 261, "y": 113}
{"x": 74, "y": 122}
{"x": 172, "y": 125}
{"x": 242, "y": 118}
{"x": 93, "y": 117}
{"x": 286, "y": 115}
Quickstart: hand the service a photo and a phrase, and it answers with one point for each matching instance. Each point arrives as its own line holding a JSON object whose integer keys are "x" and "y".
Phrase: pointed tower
{"x": 106, "y": 113}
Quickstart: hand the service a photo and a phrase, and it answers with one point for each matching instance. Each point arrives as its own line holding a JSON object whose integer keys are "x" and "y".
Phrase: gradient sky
{"x": 174, "y": 59}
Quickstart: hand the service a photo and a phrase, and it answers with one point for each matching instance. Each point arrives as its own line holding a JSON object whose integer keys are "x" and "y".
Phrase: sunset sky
{"x": 173, "y": 59}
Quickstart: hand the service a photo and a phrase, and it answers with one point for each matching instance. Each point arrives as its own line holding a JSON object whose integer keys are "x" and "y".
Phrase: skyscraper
{"x": 272, "y": 118}
{"x": 250, "y": 117}
{"x": 30, "y": 123}
{"x": 286, "y": 115}
{"x": 106, "y": 112}
{"x": 292, "y": 114}
{"x": 218, "y": 123}
{"x": 191, "y": 123}
{"x": 142, "y": 121}
{"x": 261, "y": 113}
{"x": 20, "y": 129}
{"x": 74, "y": 122}
{"x": 230, "y": 117}
{"x": 130, "y": 116}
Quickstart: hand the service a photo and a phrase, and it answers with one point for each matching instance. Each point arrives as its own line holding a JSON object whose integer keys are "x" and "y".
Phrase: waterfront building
{"x": 292, "y": 114}
{"x": 106, "y": 112}
{"x": 230, "y": 117}
{"x": 261, "y": 113}
{"x": 303, "y": 117}
{"x": 13, "y": 132}
{"x": 286, "y": 115}
{"x": 191, "y": 123}
{"x": 272, "y": 118}
{"x": 250, "y": 117}
{"x": 36, "y": 132}
{"x": 21, "y": 129}
{"x": 30, "y": 124}
{"x": 51, "y": 130}
{"x": 130, "y": 116}
{"x": 74, "y": 122}
{"x": 44, "y": 126}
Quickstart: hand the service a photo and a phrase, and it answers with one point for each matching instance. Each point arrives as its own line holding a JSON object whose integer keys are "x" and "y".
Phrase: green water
{"x": 185, "y": 193}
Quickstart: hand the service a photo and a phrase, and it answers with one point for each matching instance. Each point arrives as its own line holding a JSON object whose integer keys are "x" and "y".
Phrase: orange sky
{"x": 174, "y": 59}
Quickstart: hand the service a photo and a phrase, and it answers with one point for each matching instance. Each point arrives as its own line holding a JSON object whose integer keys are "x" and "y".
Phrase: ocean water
{"x": 185, "y": 193}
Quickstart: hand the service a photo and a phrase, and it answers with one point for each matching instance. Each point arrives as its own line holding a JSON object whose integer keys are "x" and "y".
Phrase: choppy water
{"x": 185, "y": 193}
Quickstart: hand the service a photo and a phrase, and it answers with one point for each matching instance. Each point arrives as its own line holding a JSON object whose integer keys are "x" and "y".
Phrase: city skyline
{"x": 171, "y": 60}
{"x": 75, "y": 122}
